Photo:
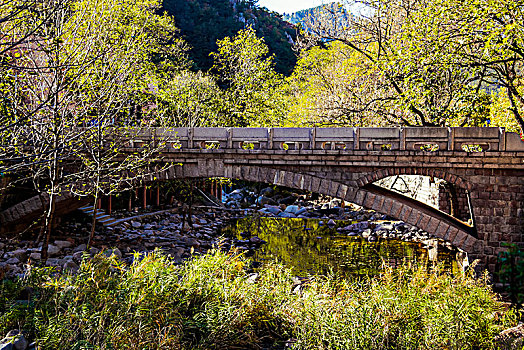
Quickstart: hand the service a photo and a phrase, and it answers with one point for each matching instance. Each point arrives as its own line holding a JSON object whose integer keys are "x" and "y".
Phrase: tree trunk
{"x": 93, "y": 222}
{"x": 48, "y": 222}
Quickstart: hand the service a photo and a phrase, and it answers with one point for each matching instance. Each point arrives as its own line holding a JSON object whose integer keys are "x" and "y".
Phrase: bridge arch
{"x": 431, "y": 172}
{"x": 415, "y": 213}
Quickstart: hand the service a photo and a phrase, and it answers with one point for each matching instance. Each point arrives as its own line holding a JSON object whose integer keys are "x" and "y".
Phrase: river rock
{"x": 273, "y": 209}
{"x": 70, "y": 266}
{"x": 53, "y": 250}
{"x": 331, "y": 223}
{"x": 136, "y": 224}
{"x": 20, "y": 254}
{"x": 191, "y": 242}
{"x": 268, "y": 191}
{"x": 255, "y": 240}
{"x": 335, "y": 203}
{"x": 512, "y": 338}
{"x": 263, "y": 200}
{"x": 63, "y": 244}
{"x": 13, "y": 340}
{"x": 35, "y": 256}
{"x": 12, "y": 261}
{"x": 293, "y": 209}
{"x": 80, "y": 248}
{"x": 366, "y": 233}
{"x": 286, "y": 215}
{"x": 252, "y": 278}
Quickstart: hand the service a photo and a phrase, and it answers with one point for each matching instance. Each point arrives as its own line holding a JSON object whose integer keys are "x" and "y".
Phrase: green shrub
{"x": 208, "y": 303}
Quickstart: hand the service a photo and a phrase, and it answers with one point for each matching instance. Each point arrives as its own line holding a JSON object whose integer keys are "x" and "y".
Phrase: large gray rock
{"x": 293, "y": 209}
{"x": 20, "y": 254}
{"x": 63, "y": 244}
{"x": 53, "y": 250}
{"x": 273, "y": 209}
{"x": 12, "y": 261}
{"x": 268, "y": 191}
{"x": 263, "y": 200}
{"x": 80, "y": 248}
{"x": 70, "y": 266}
{"x": 35, "y": 256}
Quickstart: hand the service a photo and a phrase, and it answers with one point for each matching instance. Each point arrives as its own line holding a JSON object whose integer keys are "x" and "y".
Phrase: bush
{"x": 208, "y": 303}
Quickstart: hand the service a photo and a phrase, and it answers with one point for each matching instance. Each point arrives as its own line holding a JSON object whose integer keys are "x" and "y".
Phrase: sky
{"x": 290, "y": 6}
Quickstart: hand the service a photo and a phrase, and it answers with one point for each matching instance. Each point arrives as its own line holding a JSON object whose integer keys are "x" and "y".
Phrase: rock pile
{"x": 167, "y": 231}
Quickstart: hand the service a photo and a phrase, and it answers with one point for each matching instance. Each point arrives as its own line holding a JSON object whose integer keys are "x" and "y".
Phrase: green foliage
{"x": 512, "y": 273}
{"x": 253, "y": 91}
{"x": 327, "y": 86}
{"x": 417, "y": 63}
{"x": 204, "y": 22}
{"x": 209, "y": 303}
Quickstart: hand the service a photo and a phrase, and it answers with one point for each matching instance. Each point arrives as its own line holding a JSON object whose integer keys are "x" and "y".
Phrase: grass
{"x": 208, "y": 303}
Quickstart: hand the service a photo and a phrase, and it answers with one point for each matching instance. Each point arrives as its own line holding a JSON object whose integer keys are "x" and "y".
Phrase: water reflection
{"x": 308, "y": 247}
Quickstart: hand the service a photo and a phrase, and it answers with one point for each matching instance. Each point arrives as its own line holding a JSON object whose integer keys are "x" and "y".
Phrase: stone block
{"x": 370, "y": 199}
{"x": 350, "y": 194}
{"x": 249, "y": 134}
{"x": 379, "y": 133}
{"x": 378, "y": 203}
{"x": 315, "y": 184}
{"x": 442, "y": 230}
{"x": 291, "y": 134}
{"x": 405, "y": 213}
{"x": 451, "y": 230}
{"x": 341, "y": 192}
{"x": 210, "y": 134}
{"x": 414, "y": 217}
{"x": 360, "y": 197}
{"x": 432, "y": 226}
{"x": 334, "y": 134}
{"x": 424, "y": 221}
{"x": 513, "y": 142}
{"x": 396, "y": 209}
{"x": 388, "y": 204}
{"x": 459, "y": 239}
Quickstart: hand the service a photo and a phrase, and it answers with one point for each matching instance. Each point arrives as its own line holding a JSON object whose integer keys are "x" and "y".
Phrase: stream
{"x": 308, "y": 246}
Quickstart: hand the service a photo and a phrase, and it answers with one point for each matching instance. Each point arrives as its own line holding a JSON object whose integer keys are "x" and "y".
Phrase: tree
{"x": 414, "y": 87}
{"x": 254, "y": 92}
{"x": 328, "y": 86}
{"x": 85, "y": 68}
{"x": 486, "y": 37}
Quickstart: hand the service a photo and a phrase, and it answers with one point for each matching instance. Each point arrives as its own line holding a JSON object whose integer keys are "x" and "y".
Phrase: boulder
{"x": 20, "y": 254}
{"x": 12, "y": 261}
{"x": 53, "y": 250}
{"x": 273, "y": 210}
{"x": 70, "y": 266}
{"x": 263, "y": 200}
{"x": 80, "y": 248}
{"x": 268, "y": 191}
{"x": 287, "y": 200}
{"x": 512, "y": 338}
{"x": 63, "y": 244}
{"x": 293, "y": 209}
{"x": 35, "y": 256}
{"x": 14, "y": 340}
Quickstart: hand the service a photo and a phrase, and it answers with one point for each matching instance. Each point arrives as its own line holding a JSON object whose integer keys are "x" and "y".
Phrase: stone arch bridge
{"x": 484, "y": 164}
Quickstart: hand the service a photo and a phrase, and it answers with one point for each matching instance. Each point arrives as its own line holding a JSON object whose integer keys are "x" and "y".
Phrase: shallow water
{"x": 309, "y": 248}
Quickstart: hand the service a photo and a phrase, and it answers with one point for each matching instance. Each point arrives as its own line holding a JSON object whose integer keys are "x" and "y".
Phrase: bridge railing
{"x": 409, "y": 139}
